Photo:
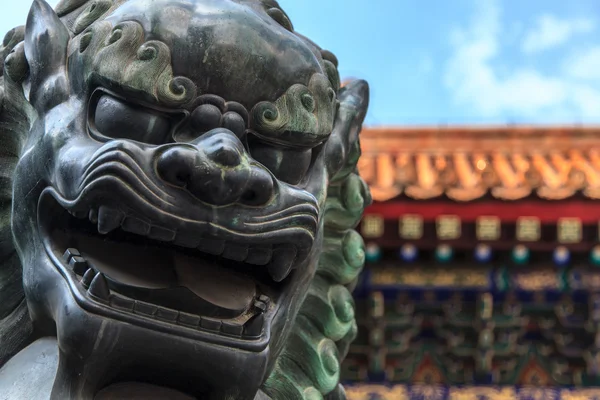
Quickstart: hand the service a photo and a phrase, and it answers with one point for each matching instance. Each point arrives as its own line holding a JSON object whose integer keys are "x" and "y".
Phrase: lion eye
{"x": 288, "y": 165}
{"x": 116, "y": 119}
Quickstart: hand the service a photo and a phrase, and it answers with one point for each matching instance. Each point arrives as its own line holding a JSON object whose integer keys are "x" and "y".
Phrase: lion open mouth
{"x": 147, "y": 271}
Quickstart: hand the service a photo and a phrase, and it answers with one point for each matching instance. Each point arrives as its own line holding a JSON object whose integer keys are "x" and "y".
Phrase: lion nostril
{"x": 260, "y": 188}
{"x": 182, "y": 178}
{"x": 175, "y": 166}
{"x": 255, "y": 198}
{"x": 249, "y": 197}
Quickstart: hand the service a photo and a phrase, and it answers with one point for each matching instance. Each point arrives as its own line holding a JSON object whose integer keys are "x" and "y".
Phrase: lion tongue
{"x": 220, "y": 286}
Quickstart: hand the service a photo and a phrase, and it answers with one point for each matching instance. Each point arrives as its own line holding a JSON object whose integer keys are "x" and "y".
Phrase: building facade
{"x": 483, "y": 258}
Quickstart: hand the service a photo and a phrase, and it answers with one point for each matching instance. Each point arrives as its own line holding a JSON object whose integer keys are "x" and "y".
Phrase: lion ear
{"x": 46, "y": 43}
{"x": 343, "y": 147}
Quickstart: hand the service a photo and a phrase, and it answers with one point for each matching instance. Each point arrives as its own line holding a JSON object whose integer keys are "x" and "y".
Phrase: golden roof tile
{"x": 466, "y": 163}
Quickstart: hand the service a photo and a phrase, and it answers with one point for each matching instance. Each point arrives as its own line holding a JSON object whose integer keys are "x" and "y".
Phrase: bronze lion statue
{"x": 179, "y": 197}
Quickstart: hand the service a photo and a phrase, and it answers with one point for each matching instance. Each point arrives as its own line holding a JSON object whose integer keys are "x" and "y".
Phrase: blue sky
{"x": 456, "y": 62}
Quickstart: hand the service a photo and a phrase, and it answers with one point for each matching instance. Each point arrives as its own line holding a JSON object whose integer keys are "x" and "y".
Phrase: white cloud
{"x": 550, "y": 31}
{"x": 478, "y": 80}
{"x": 584, "y": 64}
{"x": 587, "y": 100}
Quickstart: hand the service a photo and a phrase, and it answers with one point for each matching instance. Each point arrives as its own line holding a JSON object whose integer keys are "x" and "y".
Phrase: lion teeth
{"x": 141, "y": 307}
{"x": 166, "y": 314}
{"x": 187, "y": 239}
{"x": 162, "y": 234}
{"x": 69, "y": 253}
{"x": 254, "y": 326}
{"x": 135, "y": 225}
{"x": 282, "y": 262}
{"x": 232, "y": 327}
{"x": 78, "y": 214}
{"x": 279, "y": 259}
{"x": 75, "y": 260}
{"x": 246, "y": 328}
{"x": 259, "y": 255}
{"x": 122, "y": 303}
{"x": 235, "y": 252}
{"x": 108, "y": 219}
{"x": 93, "y": 216}
{"x": 211, "y": 324}
{"x": 79, "y": 265}
{"x": 99, "y": 287}
{"x": 88, "y": 277}
{"x": 191, "y": 320}
{"x": 215, "y": 247}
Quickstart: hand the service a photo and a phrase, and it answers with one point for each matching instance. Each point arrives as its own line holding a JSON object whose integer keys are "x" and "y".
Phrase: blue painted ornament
{"x": 561, "y": 256}
{"x": 595, "y": 256}
{"x": 409, "y": 253}
{"x": 520, "y": 254}
{"x": 483, "y": 253}
{"x": 443, "y": 253}
{"x": 373, "y": 253}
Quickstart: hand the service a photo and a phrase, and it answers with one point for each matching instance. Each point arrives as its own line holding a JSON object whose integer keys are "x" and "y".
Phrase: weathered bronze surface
{"x": 179, "y": 193}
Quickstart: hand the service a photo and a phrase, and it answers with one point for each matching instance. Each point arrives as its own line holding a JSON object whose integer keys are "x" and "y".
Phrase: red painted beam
{"x": 547, "y": 212}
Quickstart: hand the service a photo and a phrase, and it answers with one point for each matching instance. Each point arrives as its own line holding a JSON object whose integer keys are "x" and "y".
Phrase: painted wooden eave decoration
{"x": 468, "y": 163}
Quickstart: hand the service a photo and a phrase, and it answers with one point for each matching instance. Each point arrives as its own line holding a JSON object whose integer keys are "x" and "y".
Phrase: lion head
{"x": 184, "y": 196}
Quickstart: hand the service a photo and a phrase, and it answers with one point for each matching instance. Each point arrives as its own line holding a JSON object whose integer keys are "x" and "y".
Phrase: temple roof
{"x": 468, "y": 163}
